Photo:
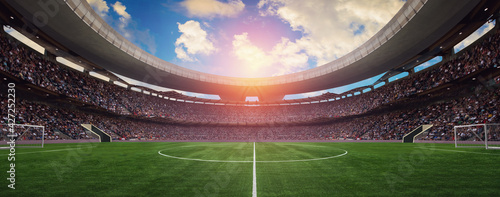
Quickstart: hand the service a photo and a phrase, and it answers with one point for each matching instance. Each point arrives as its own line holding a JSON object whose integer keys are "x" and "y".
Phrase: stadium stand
{"x": 461, "y": 90}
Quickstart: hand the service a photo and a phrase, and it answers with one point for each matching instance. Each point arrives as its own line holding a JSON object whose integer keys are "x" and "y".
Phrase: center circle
{"x": 345, "y": 152}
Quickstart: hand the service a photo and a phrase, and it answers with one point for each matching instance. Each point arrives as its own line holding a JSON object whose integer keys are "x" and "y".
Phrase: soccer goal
{"x": 477, "y": 136}
{"x": 30, "y": 136}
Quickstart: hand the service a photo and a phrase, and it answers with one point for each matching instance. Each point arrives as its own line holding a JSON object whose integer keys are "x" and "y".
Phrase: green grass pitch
{"x": 226, "y": 169}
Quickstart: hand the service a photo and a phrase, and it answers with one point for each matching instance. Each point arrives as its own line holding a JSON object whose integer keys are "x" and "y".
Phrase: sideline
{"x": 254, "y": 188}
{"x": 45, "y": 151}
{"x": 459, "y": 151}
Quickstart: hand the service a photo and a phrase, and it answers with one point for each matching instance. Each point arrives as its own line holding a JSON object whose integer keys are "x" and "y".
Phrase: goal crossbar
{"x": 483, "y": 141}
{"x": 26, "y": 129}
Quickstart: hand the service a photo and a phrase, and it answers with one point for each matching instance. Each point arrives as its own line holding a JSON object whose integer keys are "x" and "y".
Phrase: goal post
{"x": 27, "y": 136}
{"x": 477, "y": 136}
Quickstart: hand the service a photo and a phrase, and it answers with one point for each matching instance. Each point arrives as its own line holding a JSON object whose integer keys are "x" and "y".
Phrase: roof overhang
{"x": 435, "y": 23}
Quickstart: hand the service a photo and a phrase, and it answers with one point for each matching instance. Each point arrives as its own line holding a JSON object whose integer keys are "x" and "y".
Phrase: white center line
{"x": 254, "y": 189}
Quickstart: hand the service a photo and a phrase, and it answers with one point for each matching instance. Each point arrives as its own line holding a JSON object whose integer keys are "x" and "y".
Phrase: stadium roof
{"x": 419, "y": 31}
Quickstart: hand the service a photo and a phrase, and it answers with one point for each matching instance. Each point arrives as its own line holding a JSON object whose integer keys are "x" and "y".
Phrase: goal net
{"x": 24, "y": 135}
{"x": 477, "y": 136}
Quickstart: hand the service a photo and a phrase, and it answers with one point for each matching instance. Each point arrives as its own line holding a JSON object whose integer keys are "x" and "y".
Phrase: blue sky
{"x": 249, "y": 38}
{"x": 466, "y": 42}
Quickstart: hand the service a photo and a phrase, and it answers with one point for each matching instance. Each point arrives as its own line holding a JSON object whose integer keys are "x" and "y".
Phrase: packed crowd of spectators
{"x": 30, "y": 66}
{"x": 27, "y": 113}
{"x": 59, "y": 122}
{"x": 479, "y": 107}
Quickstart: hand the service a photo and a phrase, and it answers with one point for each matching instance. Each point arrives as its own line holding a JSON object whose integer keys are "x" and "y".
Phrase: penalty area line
{"x": 254, "y": 188}
{"x": 44, "y": 151}
{"x": 457, "y": 151}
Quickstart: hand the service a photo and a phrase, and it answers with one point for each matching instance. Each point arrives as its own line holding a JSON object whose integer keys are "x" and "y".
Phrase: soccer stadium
{"x": 250, "y": 98}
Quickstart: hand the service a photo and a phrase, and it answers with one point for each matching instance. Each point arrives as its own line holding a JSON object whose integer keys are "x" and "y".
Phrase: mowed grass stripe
{"x": 212, "y": 151}
{"x": 383, "y": 169}
{"x": 126, "y": 169}
{"x": 370, "y": 169}
{"x": 295, "y": 151}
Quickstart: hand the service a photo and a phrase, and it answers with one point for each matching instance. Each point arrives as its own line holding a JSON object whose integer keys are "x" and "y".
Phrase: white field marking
{"x": 459, "y": 151}
{"x": 305, "y": 145}
{"x": 230, "y": 145}
{"x": 45, "y": 151}
{"x": 205, "y": 160}
{"x": 282, "y": 161}
{"x": 313, "y": 159}
{"x": 211, "y": 145}
{"x": 254, "y": 188}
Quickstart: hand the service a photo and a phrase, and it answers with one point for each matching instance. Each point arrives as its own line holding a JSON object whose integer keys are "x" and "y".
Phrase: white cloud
{"x": 124, "y": 24}
{"x": 142, "y": 38}
{"x": 285, "y": 57}
{"x": 124, "y": 19}
{"x": 213, "y": 8}
{"x": 332, "y": 28}
{"x": 181, "y": 54}
{"x": 120, "y": 10}
{"x": 289, "y": 56}
{"x": 99, "y": 6}
{"x": 193, "y": 40}
{"x": 253, "y": 58}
